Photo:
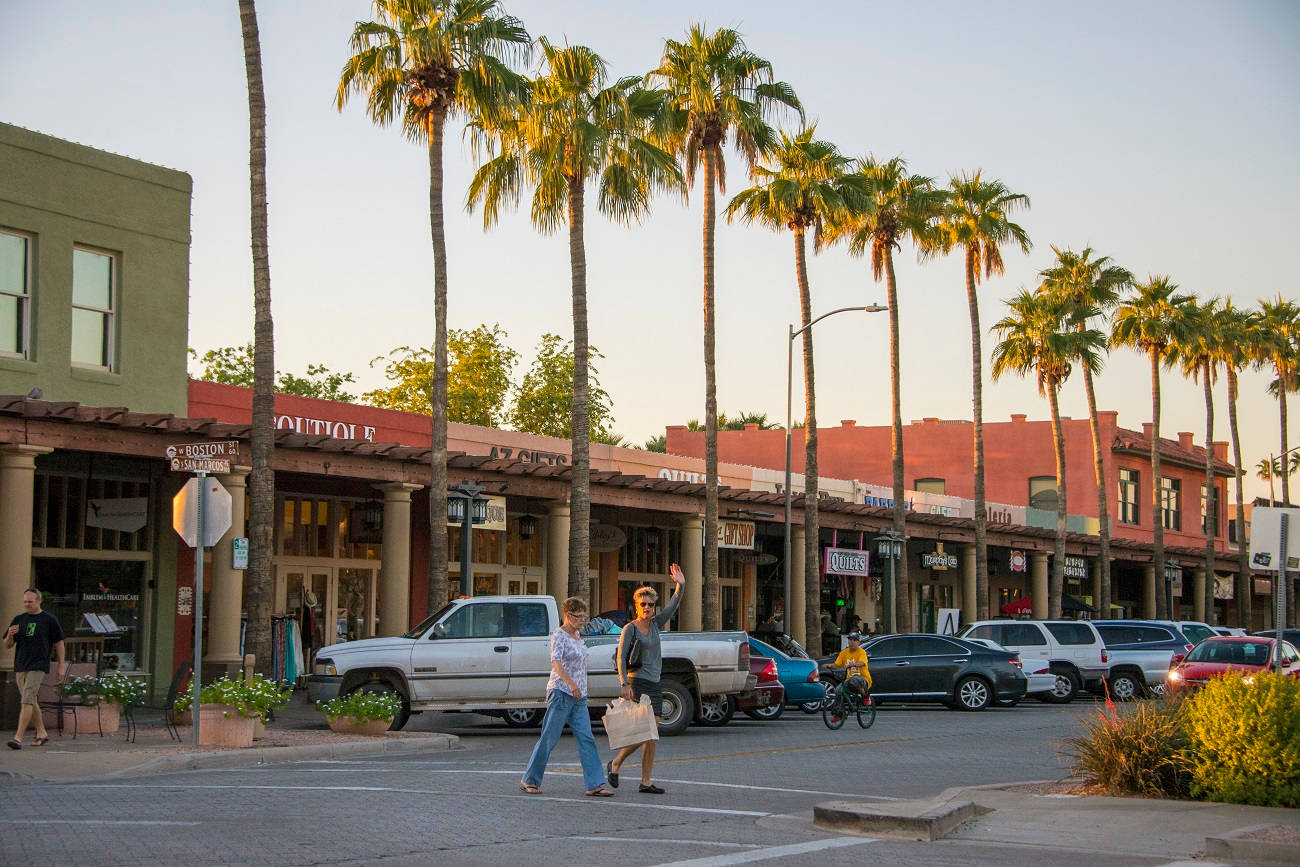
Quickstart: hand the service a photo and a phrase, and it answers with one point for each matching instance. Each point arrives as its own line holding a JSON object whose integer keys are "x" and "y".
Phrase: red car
{"x": 1231, "y": 653}
{"x": 764, "y": 701}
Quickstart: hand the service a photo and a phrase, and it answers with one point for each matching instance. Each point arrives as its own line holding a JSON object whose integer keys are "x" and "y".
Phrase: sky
{"x": 1161, "y": 134}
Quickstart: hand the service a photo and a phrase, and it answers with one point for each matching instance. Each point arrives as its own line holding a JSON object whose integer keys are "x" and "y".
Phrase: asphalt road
{"x": 739, "y": 794}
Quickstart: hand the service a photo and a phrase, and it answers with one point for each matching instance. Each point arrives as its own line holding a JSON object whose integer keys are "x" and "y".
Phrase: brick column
{"x": 1038, "y": 575}
{"x": 226, "y": 598}
{"x": 692, "y": 610}
{"x": 395, "y": 567}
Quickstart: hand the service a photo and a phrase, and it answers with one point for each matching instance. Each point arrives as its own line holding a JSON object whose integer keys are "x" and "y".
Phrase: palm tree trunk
{"x": 580, "y": 486}
{"x": 1281, "y": 414}
{"x": 812, "y": 531}
{"x": 898, "y": 618}
{"x": 1211, "y": 501}
{"x": 977, "y": 409}
{"x": 1157, "y": 515}
{"x": 1056, "y": 583}
{"x": 710, "y": 591}
{"x": 1244, "y": 589}
{"x": 261, "y": 482}
{"x": 1103, "y": 507}
{"x": 438, "y": 591}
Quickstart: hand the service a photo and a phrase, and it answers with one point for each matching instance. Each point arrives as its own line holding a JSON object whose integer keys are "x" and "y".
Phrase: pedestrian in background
{"x": 566, "y": 703}
{"x": 641, "y": 677}
{"x": 35, "y": 633}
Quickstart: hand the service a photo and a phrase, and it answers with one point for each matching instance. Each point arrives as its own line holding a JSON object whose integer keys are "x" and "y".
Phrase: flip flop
{"x": 600, "y": 792}
{"x": 39, "y": 742}
{"x": 15, "y": 744}
{"x": 530, "y": 789}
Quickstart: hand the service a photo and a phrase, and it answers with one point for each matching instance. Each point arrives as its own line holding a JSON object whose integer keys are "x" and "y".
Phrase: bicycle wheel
{"x": 867, "y": 715}
{"x": 833, "y": 717}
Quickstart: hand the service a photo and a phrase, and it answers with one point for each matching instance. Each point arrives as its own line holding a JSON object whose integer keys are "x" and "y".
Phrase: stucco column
{"x": 1149, "y": 591}
{"x": 794, "y": 618}
{"x": 1198, "y": 595}
{"x": 969, "y": 594}
{"x": 395, "y": 567}
{"x": 226, "y": 598}
{"x": 1094, "y": 572}
{"x": 557, "y": 550}
{"x": 692, "y": 610}
{"x": 17, "y": 487}
{"x": 1038, "y": 575}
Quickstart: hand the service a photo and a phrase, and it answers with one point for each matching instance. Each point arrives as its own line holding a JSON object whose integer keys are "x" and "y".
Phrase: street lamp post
{"x": 466, "y": 504}
{"x": 789, "y": 401}
{"x": 889, "y": 545}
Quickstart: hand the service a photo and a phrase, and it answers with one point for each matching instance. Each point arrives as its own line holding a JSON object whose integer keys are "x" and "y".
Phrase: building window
{"x": 1042, "y": 493}
{"x": 94, "y": 287}
{"x": 15, "y": 295}
{"x": 931, "y": 486}
{"x": 1210, "y": 512}
{"x": 1170, "y": 516}
{"x": 1128, "y": 496}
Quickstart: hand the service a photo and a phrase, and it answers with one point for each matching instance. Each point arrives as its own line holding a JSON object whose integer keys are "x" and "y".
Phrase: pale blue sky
{"x": 1161, "y": 133}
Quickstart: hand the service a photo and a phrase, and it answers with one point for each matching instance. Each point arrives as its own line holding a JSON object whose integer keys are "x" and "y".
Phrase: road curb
{"x": 925, "y": 821}
{"x": 1239, "y": 847}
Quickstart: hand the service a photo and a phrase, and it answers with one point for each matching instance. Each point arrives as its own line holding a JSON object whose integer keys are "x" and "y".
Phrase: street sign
{"x": 239, "y": 553}
{"x": 208, "y": 457}
{"x": 216, "y": 512}
{"x": 1266, "y": 538}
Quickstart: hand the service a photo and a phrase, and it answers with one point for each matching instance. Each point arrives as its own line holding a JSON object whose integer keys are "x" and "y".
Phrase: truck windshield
{"x": 429, "y": 621}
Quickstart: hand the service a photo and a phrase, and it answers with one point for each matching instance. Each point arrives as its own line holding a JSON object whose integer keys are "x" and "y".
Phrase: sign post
{"x": 1274, "y": 535}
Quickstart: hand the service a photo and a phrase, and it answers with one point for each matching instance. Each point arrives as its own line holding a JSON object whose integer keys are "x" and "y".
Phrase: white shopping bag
{"x": 630, "y": 722}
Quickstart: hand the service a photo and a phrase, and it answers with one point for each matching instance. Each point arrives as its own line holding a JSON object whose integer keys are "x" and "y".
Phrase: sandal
{"x": 40, "y": 742}
{"x": 530, "y": 789}
{"x": 15, "y": 744}
{"x": 600, "y": 792}
{"x": 611, "y": 774}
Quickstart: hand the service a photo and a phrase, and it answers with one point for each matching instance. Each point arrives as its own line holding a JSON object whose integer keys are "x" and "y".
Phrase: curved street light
{"x": 789, "y": 399}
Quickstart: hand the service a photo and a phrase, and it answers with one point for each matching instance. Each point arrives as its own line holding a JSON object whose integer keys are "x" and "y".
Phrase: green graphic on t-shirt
{"x": 31, "y": 628}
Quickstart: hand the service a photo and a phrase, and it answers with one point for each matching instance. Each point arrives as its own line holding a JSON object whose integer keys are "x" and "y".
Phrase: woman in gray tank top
{"x": 641, "y": 677}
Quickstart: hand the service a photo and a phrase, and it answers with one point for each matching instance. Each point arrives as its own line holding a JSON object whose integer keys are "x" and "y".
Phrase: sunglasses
{"x": 647, "y": 604}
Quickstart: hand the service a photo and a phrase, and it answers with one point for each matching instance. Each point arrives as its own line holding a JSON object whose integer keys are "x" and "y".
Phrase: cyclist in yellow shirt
{"x": 854, "y": 660}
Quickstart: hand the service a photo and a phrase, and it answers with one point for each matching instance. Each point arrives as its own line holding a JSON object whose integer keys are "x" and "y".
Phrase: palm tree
{"x": 421, "y": 62}
{"x": 1041, "y": 334}
{"x": 261, "y": 481}
{"x": 977, "y": 218}
{"x": 1237, "y": 329}
{"x": 716, "y": 86}
{"x": 892, "y": 205}
{"x": 572, "y": 129}
{"x": 1197, "y": 353}
{"x": 1279, "y": 329}
{"x": 1150, "y": 320}
{"x": 801, "y": 189}
{"x": 1090, "y": 284}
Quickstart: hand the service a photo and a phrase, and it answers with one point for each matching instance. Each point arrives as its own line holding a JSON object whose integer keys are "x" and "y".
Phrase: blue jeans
{"x": 562, "y": 708}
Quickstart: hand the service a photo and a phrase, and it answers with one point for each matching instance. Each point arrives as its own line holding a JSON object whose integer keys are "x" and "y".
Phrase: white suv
{"x": 1073, "y": 647}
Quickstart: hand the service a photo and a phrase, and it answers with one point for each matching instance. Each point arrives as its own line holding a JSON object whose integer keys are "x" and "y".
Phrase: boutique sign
{"x": 847, "y": 561}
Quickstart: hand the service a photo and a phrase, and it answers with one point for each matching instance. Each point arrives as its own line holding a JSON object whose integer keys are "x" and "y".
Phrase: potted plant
{"x": 359, "y": 712}
{"x": 227, "y": 714}
{"x": 263, "y": 696}
{"x": 100, "y": 700}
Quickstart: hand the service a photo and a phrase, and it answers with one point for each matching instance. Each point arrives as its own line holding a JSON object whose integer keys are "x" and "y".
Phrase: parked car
{"x": 1141, "y": 652}
{"x": 1196, "y": 630}
{"x": 767, "y": 701}
{"x": 1291, "y": 635}
{"x": 798, "y": 675}
{"x": 1221, "y": 654}
{"x": 941, "y": 668}
{"x": 1074, "y": 648}
{"x": 1037, "y": 671}
{"x": 1230, "y": 630}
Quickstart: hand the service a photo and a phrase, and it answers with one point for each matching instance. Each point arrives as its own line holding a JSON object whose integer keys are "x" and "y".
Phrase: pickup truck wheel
{"x": 379, "y": 688}
{"x": 523, "y": 717}
{"x": 715, "y": 710}
{"x": 679, "y": 708}
{"x": 1125, "y": 686}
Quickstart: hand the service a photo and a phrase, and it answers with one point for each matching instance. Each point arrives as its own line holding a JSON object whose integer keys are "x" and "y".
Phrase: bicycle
{"x": 851, "y": 703}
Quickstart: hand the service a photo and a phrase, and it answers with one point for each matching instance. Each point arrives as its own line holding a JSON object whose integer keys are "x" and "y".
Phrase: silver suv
{"x": 1073, "y": 648}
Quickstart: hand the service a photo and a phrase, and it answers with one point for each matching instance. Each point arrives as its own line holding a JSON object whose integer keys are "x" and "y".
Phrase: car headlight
{"x": 326, "y": 666}
{"x": 1175, "y": 676}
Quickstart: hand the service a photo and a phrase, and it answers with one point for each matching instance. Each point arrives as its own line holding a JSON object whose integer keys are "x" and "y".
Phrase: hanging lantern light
{"x": 527, "y": 526}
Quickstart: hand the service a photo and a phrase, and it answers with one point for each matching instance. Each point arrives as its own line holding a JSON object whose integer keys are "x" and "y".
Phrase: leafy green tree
{"x": 1150, "y": 320}
{"x": 1090, "y": 284}
{"x": 976, "y": 219}
{"x": 544, "y": 399}
{"x": 419, "y": 63}
{"x": 1038, "y": 337}
{"x": 716, "y": 86}
{"x": 478, "y": 377}
{"x": 573, "y": 128}
{"x": 744, "y": 418}
{"x": 801, "y": 189}
{"x": 234, "y": 365}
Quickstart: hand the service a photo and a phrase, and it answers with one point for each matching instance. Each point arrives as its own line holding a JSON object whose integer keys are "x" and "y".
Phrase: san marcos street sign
{"x": 205, "y": 457}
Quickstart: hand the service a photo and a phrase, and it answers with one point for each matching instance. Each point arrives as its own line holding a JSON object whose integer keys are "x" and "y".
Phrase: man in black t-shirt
{"x": 35, "y": 633}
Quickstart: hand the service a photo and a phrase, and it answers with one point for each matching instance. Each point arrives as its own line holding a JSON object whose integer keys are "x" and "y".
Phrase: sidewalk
{"x": 298, "y": 733}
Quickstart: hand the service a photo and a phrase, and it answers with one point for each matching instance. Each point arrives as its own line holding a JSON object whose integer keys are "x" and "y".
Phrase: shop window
{"x": 94, "y": 306}
{"x": 1210, "y": 512}
{"x": 521, "y": 551}
{"x": 110, "y": 591}
{"x": 649, "y": 550}
{"x": 357, "y": 540}
{"x": 485, "y": 546}
{"x": 15, "y": 295}
{"x": 1170, "y": 510}
{"x": 1128, "y": 496}
{"x": 305, "y": 528}
{"x": 75, "y": 512}
{"x": 930, "y": 486}
{"x": 1042, "y": 493}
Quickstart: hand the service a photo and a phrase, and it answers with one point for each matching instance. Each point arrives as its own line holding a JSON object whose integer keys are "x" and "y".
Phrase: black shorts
{"x": 651, "y": 688}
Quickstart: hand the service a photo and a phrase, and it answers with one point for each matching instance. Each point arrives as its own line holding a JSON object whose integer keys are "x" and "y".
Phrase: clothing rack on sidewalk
{"x": 286, "y": 648}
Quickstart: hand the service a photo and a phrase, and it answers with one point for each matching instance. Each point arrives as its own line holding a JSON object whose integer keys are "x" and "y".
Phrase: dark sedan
{"x": 958, "y": 673}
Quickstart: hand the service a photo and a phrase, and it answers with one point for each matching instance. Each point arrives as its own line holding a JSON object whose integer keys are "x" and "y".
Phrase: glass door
{"x": 357, "y": 611}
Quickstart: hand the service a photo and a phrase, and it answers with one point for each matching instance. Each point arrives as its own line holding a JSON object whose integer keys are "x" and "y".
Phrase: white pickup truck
{"x": 491, "y": 654}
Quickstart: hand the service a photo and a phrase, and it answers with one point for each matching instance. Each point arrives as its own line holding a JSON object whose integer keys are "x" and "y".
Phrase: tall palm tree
{"x": 1149, "y": 320}
{"x": 1237, "y": 328}
{"x": 1040, "y": 334}
{"x": 977, "y": 219}
{"x": 261, "y": 481}
{"x": 716, "y": 86}
{"x": 1197, "y": 354}
{"x": 421, "y": 62}
{"x": 890, "y": 205}
{"x": 1279, "y": 326}
{"x": 1091, "y": 284}
{"x": 571, "y": 129}
{"x": 800, "y": 189}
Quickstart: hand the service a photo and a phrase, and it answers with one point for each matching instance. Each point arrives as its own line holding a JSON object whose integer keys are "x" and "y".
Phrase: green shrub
{"x": 1139, "y": 752}
{"x": 247, "y": 699}
{"x": 1244, "y": 740}
{"x": 114, "y": 688}
{"x": 362, "y": 706}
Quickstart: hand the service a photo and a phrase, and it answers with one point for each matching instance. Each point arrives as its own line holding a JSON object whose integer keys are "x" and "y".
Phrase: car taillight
{"x": 744, "y": 656}
{"x": 813, "y": 676}
{"x": 769, "y": 672}
{"x": 1105, "y": 657}
{"x": 1015, "y": 660}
